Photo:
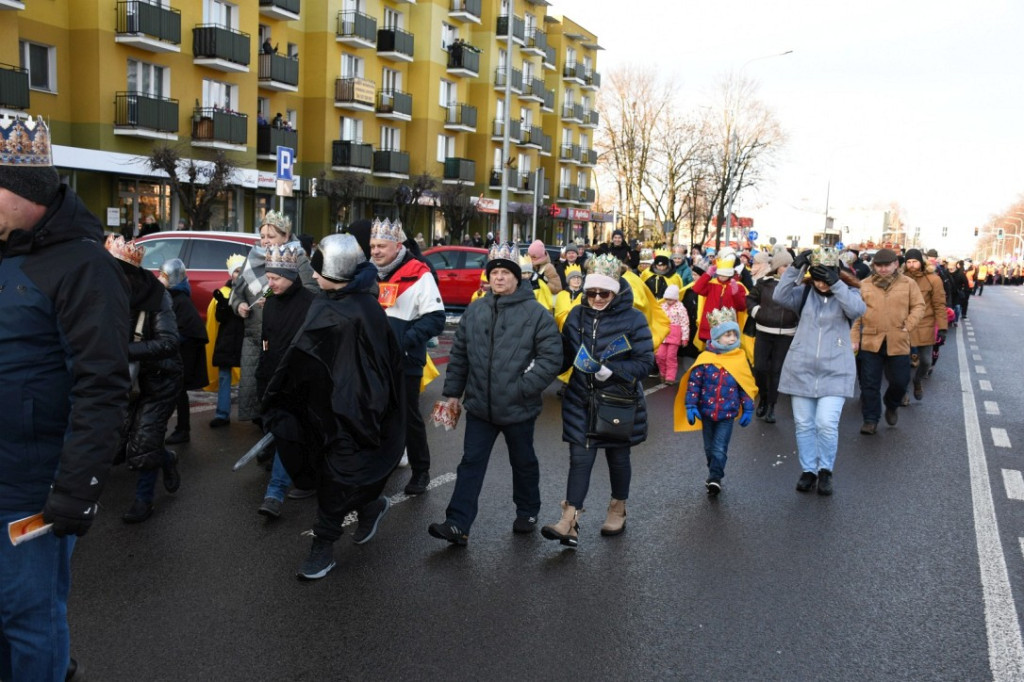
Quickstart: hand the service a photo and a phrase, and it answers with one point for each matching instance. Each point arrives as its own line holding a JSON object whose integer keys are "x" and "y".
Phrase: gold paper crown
{"x": 385, "y": 229}
{"x": 24, "y": 142}
{"x": 606, "y": 264}
{"x": 721, "y": 316}
{"x": 646, "y": 255}
{"x": 129, "y": 252}
{"x": 663, "y": 252}
{"x": 825, "y": 255}
{"x": 507, "y": 251}
{"x": 279, "y": 221}
{"x": 573, "y": 270}
{"x": 526, "y": 263}
{"x": 727, "y": 261}
{"x": 235, "y": 261}
{"x": 284, "y": 256}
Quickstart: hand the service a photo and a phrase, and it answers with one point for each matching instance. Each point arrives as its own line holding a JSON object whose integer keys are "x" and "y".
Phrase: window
{"x": 565, "y": 178}
{"x": 351, "y": 66}
{"x": 444, "y": 260}
{"x": 585, "y": 102}
{"x": 221, "y": 13}
{"x": 523, "y": 164}
{"x": 587, "y": 63}
{"x": 209, "y": 254}
{"x": 41, "y": 63}
{"x": 390, "y": 139}
{"x": 449, "y": 93}
{"x": 449, "y": 34}
{"x": 570, "y": 56}
{"x": 566, "y": 136}
{"x": 445, "y": 147}
{"x": 351, "y": 129}
{"x": 160, "y": 250}
{"x": 584, "y": 141}
{"x": 581, "y": 179}
{"x": 292, "y": 116}
{"x": 530, "y": 22}
{"x": 390, "y": 80}
{"x": 502, "y": 58}
{"x": 497, "y": 159}
{"x": 220, "y": 95}
{"x": 392, "y": 19}
{"x": 148, "y": 79}
{"x": 263, "y": 108}
{"x": 352, "y": 6}
{"x": 475, "y": 260}
{"x": 527, "y": 74}
{"x": 570, "y": 97}
{"x": 525, "y": 118}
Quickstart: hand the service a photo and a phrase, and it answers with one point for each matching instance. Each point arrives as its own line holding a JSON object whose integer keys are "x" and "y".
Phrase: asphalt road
{"x": 913, "y": 570}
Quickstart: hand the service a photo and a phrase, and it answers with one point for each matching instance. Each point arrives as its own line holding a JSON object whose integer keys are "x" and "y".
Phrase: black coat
{"x": 283, "y": 316}
{"x": 227, "y": 348}
{"x": 193, "y": 338}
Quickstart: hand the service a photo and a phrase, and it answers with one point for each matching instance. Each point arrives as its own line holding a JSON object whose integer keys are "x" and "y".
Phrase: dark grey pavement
{"x": 881, "y": 581}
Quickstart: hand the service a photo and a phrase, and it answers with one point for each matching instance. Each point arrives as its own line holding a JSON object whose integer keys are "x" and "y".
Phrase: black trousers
{"x": 415, "y": 429}
{"x": 335, "y": 500}
{"x": 769, "y": 354}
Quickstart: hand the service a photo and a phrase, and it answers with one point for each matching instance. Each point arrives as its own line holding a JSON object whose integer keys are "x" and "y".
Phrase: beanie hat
{"x": 572, "y": 247}
{"x": 503, "y": 256}
{"x": 932, "y": 253}
{"x": 620, "y": 233}
{"x": 26, "y": 160}
{"x": 283, "y": 260}
{"x": 573, "y": 271}
{"x": 604, "y": 273}
{"x": 781, "y": 257}
{"x": 536, "y": 250}
{"x": 671, "y": 292}
{"x": 360, "y": 229}
{"x": 915, "y": 254}
{"x": 721, "y": 321}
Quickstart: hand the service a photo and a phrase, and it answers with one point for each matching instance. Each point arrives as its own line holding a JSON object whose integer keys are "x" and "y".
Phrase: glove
{"x": 823, "y": 274}
{"x": 219, "y": 297}
{"x": 803, "y": 259}
{"x": 713, "y": 270}
{"x": 69, "y": 515}
{"x": 692, "y": 415}
{"x": 942, "y": 335}
{"x": 745, "y": 418}
{"x": 603, "y": 374}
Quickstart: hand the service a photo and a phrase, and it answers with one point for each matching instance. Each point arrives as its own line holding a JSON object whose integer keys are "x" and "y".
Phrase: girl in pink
{"x": 667, "y": 354}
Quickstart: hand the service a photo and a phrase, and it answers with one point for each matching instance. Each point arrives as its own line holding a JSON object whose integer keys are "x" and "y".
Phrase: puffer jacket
{"x": 770, "y": 316}
{"x": 934, "y": 296}
{"x": 506, "y": 352}
{"x": 596, "y": 329}
{"x": 546, "y": 271}
{"x": 891, "y": 314}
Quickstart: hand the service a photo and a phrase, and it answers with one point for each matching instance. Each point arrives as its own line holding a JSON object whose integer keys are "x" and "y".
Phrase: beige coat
{"x": 890, "y": 316}
{"x": 934, "y": 295}
{"x": 546, "y": 270}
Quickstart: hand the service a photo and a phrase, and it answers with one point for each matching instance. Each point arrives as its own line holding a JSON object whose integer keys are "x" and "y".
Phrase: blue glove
{"x": 745, "y": 418}
{"x": 692, "y": 415}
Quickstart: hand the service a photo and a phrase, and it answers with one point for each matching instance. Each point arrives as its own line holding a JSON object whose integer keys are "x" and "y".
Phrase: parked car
{"x": 205, "y": 255}
{"x": 458, "y": 271}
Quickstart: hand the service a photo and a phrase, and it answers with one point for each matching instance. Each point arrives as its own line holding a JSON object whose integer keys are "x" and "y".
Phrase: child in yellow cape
{"x": 717, "y": 389}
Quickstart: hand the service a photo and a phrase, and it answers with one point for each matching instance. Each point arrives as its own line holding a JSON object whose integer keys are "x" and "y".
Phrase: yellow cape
{"x": 644, "y": 301}
{"x": 746, "y": 342}
{"x": 734, "y": 362}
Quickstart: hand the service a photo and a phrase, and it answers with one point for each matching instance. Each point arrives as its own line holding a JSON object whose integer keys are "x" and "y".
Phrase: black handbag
{"x": 612, "y": 414}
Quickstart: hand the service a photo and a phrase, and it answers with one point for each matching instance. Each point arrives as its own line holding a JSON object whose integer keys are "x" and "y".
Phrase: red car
{"x": 458, "y": 271}
{"x": 205, "y": 255}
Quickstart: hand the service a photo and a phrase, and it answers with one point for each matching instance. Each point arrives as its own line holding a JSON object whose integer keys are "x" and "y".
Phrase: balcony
{"x": 465, "y": 10}
{"x": 221, "y": 48}
{"x": 570, "y": 193}
{"x": 395, "y": 44}
{"x": 588, "y": 157}
{"x": 463, "y": 59}
{"x": 590, "y": 119}
{"x": 534, "y": 91}
{"x": 536, "y": 43}
{"x": 499, "y": 126}
{"x": 347, "y": 155}
{"x": 522, "y": 183}
{"x": 569, "y": 153}
{"x": 572, "y": 112}
{"x": 13, "y": 87}
{"x": 358, "y": 94}
{"x": 11, "y": 4}
{"x": 591, "y": 80}
{"x": 391, "y": 164}
{"x": 138, "y": 115}
{"x": 460, "y": 116}
{"x": 587, "y": 195}
{"x": 459, "y": 171}
{"x": 269, "y": 138}
{"x": 278, "y": 72}
{"x": 517, "y": 80}
{"x": 545, "y": 145}
{"x": 549, "y": 59}
{"x": 531, "y": 136}
{"x": 219, "y": 129}
{"x": 356, "y": 29}
{"x": 283, "y": 10}
{"x": 394, "y": 105}
{"x": 574, "y": 72}
{"x": 549, "y": 101}
{"x": 518, "y": 29}
{"x": 148, "y": 27}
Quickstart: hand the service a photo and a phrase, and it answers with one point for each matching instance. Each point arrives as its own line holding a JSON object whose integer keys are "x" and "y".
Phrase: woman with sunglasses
{"x": 607, "y": 343}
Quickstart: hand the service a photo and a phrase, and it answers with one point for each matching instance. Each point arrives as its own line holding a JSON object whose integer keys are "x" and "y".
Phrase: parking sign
{"x": 285, "y": 162}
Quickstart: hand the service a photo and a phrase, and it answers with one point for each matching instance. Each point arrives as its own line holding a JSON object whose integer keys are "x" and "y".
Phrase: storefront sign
{"x": 579, "y": 214}
{"x": 487, "y": 205}
{"x": 113, "y": 216}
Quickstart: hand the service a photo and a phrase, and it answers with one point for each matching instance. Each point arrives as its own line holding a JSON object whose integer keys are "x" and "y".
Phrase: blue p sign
{"x": 285, "y": 162}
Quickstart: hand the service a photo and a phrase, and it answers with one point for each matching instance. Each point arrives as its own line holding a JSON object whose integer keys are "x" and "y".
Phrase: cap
{"x": 884, "y": 257}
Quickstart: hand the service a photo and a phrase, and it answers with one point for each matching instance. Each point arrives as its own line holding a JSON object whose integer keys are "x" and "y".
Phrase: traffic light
{"x": 945, "y": 231}
{"x": 975, "y": 232}
{"x": 999, "y": 233}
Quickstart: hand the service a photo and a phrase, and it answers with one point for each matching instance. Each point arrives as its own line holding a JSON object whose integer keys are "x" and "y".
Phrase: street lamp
{"x": 503, "y": 235}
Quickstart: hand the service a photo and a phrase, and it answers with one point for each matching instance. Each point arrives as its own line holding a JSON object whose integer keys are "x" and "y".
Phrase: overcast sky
{"x": 921, "y": 103}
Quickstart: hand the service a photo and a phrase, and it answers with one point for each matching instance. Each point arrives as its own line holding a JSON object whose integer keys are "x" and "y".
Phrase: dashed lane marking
{"x": 985, "y": 384}
{"x": 992, "y": 408}
{"x": 1000, "y": 438}
{"x": 976, "y": 357}
{"x": 1014, "y": 484}
{"x": 980, "y": 369}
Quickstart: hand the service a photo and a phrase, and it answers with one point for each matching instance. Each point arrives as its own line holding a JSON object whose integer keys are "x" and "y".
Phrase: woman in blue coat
{"x": 608, "y": 344}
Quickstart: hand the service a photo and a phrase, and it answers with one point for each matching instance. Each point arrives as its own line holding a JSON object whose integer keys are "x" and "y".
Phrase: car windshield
{"x": 159, "y": 251}
{"x": 211, "y": 254}
{"x": 444, "y": 260}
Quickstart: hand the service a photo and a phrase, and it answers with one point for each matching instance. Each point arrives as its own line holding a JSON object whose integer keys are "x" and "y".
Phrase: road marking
{"x": 1005, "y": 648}
{"x": 992, "y": 407}
{"x": 985, "y": 384}
{"x": 974, "y": 346}
{"x": 1000, "y": 438}
{"x": 1014, "y": 484}
{"x": 976, "y": 357}
{"x": 980, "y": 369}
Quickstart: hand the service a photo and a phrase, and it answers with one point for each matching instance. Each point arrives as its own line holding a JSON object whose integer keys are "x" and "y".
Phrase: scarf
{"x": 384, "y": 271}
{"x": 883, "y": 283}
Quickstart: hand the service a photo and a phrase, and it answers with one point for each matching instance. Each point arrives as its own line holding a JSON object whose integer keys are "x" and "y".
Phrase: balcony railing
{"x": 549, "y": 58}
{"x": 279, "y": 69}
{"x": 459, "y": 114}
{"x": 588, "y": 157}
{"x": 391, "y": 162}
{"x": 216, "y": 125}
{"x": 531, "y": 135}
{"x": 217, "y": 42}
{"x": 269, "y": 138}
{"x": 573, "y": 71}
{"x": 569, "y": 152}
{"x": 569, "y": 192}
{"x": 285, "y": 7}
{"x": 517, "y": 79}
{"x": 591, "y": 118}
{"x": 534, "y": 89}
{"x": 513, "y": 128}
{"x": 357, "y": 92}
{"x": 356, "y": 28}
{"x": 591, "y": 79}
{"x": 572, "y": 112}
{"x": 13, "y": 87}
{"x": 587, "y": 195}
{"x": 545, "y": 144}
{"x": 518, "y": 28}
{"x": 465, "y": 9}
{"x": 138, "y": 17}
{"x": 396, "y": 43}
{"x": 549, "y": 101}
{"x": 395, "y": 103}
{"x": 348, "y": 154}
{"x": 135, "y": 110}
{"x": 537, "y": 41}
{"x": 460, "y": 170}
{"x": 463, "y": 58}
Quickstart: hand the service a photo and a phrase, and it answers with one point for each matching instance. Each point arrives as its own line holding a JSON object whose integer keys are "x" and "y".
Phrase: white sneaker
{"x": 405, "y": 460}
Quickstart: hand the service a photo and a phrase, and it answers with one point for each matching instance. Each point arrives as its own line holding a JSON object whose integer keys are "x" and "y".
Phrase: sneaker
{"x": 524, "y": 524}
{"x": 369, "y": 519}
{"x": 868, "y": 428}
{"x": 418, "y": 483}
{"x": 319, "y": 562}
{"x": 172, "y": 479}
{"x": 448, "y": 531}
{"x": 404, "y": 462}
{"x": 178, "y": 437}
{"x": 906, "y": 400}
{"x": 891, "y": 416}
{"x": 807, "y": 481}
{"x": 824, "y": 482}
{"x": 218, "y": 422}
{"x": 714, "y": 487}
{"x": 139, "y": 512}
{"x": 271, "y": 508}
{"x": 75, "y": 672}
{"x": 296, "y": 494}
{"x": 918, "y": 390}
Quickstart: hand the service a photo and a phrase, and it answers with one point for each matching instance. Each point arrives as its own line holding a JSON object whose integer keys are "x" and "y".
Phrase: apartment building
{"x": 387, "y": 89}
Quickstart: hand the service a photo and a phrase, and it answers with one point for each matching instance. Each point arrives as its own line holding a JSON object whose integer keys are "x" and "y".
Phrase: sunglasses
{"x": 595, "y": 293}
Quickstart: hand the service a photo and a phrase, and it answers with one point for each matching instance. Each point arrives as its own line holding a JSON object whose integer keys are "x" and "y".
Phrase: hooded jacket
{"x": 934, "y": 295}
{"x": 63, "y": 357}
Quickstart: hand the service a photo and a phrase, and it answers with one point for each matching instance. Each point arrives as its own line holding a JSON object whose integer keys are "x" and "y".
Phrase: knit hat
{"x": 932, "y": 253}
{"x": 721, "y": 321}
{"x": 536, "y": 250}
{"x": 781, "y": 257}
{"x": 915, "y": 254}
{"x": 503, "y": 256}
{"x": 604, "y": 273}
{"x": 572, "y": 247}
{"x": 671, "y": 292}
{"x": 283, "y": 260}
{"x": 573, "y": 271}
{"x": 26, "y": 160}
{"x": 619, "y": 233}
{"x": 884, "y": 257}
{"x": 360, "y": 229}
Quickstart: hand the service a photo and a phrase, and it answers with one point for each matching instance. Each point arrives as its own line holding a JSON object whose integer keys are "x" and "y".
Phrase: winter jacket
{"x": 283, "y": 315}
{"x": 715, "y": 393}
{"x": 891, "y": 314}
{"x": 820, "y": 361}
{"x": 506, "y": 352}
{"x": 658, "y": 283}
{"x": 227, "y": 348}
{"x": 596, "y": 330}
{"x": 717, "y": 295}
{"x": 417, "y": 314}
{"x": 959, "y": 288}
{"x": 546, "y": 271}
{"x": 934, "y": 296}
{"x": 770, "y": 316}
{"x": 679, "y": 321}
{"x": 63, "y": 357}
{"x": 192, "y": 336}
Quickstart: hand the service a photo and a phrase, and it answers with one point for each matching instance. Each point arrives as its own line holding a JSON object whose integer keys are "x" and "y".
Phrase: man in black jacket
{"x": 64, "y": 359}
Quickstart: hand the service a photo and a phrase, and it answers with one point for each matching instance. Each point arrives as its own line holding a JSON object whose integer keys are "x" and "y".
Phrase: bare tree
{"x": 456, "y": 208}
{"x": 342, "y": 190}
{"x": 197, "y": 186}
{"x": 407, "y": 198}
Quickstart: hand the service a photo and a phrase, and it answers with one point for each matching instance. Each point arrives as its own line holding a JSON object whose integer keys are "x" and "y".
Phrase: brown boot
{"x": 615, "y": 523}
{"x": 567, "y": 529}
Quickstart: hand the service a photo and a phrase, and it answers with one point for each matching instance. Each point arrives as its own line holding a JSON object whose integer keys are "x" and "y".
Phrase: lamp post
{"x": 1018, "y": 226}
{"x": 506, "y": 122}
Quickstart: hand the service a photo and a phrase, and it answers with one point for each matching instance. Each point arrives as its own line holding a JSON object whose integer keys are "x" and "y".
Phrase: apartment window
{"x": 502, "y": 58}
{"x": 41, "y": 63}
{"x": 565, "y": 177}
{"x": 530, "y": 22}
{"x": 570, "y": 97}
{"x": 570, "y": 56}
{"x": 584, "y": 141}
{"x": 499, "y": 109}
{"x": 588, "y": 62}
{"x": 497, "y": 159}
{"x": 353, "y": 6}
{"x": 292, "y": 116}
{"x": 351, "y": 66}
{"x": 390, "y": 139}
{"x": 390, "y": 80}
{"x": 449, "y": 93}
{"x": 221, "y": 13}
{"x": 449, "y": 34}
{"x": 527, "y": 75}
{"x": 581, "y": 179}
{"x": 263, "y": 108}
{"x": 351, "y": 129}
{"x": 445, "y": 147}
{"x": 523, "y": 164}
{"x": 148, "y": 79}
{"x": 566, "y": 136}
{"x": 220, "y": 95}
{"x": 525, "y": 117}
{"x": 392, "y": 19}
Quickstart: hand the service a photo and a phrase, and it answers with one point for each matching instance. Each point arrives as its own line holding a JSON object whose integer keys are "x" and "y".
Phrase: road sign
{"x": 772, "y": 241}
{"x": 999, "y": 233}
{"x": 752, "y": 235}
{"x": 840, "y": 246}
{"x": 285, "y": 163}
{"x": 668, "y": 227}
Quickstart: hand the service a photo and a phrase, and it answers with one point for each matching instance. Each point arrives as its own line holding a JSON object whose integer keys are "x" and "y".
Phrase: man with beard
{"x": 922, "y": 336}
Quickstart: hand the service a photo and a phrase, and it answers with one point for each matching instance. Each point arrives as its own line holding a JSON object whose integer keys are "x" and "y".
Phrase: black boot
{"x": 769, "y": 417}
{"x": 762, "y": 407}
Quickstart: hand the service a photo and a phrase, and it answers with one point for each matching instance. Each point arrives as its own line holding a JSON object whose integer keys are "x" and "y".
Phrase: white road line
{"x": 974, "y": 346}
{"x": 1014, "y": 484}
{"x": 1000, "y": 438}
{"x": 985, "y": 384}
{"x": 980, "y": 369}
{"x": 1005, "y": 648}
{"x": 976, "y": 357}
{"x": 992, "y": 407}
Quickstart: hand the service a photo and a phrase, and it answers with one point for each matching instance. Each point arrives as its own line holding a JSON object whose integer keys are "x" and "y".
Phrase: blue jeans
{"x": 145, "y": 488}
{"x": 280, "y": 481}
{"x": 817, "y": 430}
{"x": 35, "y": 579}
{"x": 872, "y": 367}
{"x": 716, "y": 446}
{"x": 223, "y": 393}
{"x": 581, "y": 463}
{"x": 477, "y": 446}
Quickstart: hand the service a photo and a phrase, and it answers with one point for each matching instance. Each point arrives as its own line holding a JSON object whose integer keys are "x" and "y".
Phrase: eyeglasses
{"x": 596, "y": 293}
